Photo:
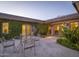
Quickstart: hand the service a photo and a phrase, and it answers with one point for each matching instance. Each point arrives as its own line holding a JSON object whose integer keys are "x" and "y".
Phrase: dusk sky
{"x": 42, "y": 10}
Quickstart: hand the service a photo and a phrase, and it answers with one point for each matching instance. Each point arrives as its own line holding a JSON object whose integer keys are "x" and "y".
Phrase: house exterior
{"x": 71, "y": 21}
{"x": 16, "y": 25}
{"x": 56, "y": 25}
{"x": 26, "y": 26}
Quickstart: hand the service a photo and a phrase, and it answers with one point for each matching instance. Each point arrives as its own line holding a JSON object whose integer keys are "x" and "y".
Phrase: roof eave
{"x": 74, "y": 4}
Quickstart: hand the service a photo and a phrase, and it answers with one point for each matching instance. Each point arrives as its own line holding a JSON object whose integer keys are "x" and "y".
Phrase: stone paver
{"x": 52, "y": 49}
{"x": 47, "y": 48}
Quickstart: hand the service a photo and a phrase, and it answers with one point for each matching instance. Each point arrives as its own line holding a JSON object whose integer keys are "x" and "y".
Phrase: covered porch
{"x": 57, "y": 28}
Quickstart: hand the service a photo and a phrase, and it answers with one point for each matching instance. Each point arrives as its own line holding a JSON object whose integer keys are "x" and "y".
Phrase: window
{"x": 74, "y": 25}
{"x": 56, "y": 27}
{"x": 5, "y": 27}
{"x": 62, "y": 26}
{"x": 28, "y": 29}
{"x": 23, "y": 29}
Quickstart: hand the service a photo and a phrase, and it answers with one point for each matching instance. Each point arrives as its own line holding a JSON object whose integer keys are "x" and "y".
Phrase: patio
{"x": 46, "y": 47}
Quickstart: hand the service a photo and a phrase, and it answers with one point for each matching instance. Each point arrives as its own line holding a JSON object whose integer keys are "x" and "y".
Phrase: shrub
{"x": 70, "y": 38}
{"x": 42, "y": 29}
{"x": 77, "y": 46}
{"x": 65, "y": 42}
{"x": 6, "y": 36}
{"x": 72, "y": 35}
{"x": 15, "y": 28}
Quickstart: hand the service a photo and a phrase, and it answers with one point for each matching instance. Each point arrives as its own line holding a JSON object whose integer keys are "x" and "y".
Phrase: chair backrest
{"x": 27, "y": 40}
{"x": 7, "y": 43}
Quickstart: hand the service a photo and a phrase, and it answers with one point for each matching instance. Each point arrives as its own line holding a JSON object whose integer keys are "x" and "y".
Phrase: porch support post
{"x": 68, "y": 25}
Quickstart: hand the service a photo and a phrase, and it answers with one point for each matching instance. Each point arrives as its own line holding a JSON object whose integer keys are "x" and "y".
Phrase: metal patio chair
{"x": 27, "y": 43}
{"x": 6, "y": 44}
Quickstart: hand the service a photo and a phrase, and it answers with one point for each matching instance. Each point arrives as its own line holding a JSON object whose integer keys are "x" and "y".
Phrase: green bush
{"x": 70, "y": 38}
{"x": 6, "y": 36}
{"x": 42, "y": 29}
{"x": 15, "y": 28}
{"x": 77, "y": 46}
{"x": 72, "y": 35}
{"x": 65, "y": 42}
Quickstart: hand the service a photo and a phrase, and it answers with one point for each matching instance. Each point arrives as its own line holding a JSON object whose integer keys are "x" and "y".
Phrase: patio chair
{"x": 37, "y": 39}
{"x": 27, "y": 43}
{"x": 6, "y": 44}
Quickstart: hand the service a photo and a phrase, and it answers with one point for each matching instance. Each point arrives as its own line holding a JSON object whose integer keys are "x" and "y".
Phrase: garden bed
{"x": 65, "y": 42}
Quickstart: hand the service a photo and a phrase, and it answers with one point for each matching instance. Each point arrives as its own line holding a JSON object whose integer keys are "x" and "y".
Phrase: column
{"x": 68, "y": 25}
{"x": 28, "y": 29}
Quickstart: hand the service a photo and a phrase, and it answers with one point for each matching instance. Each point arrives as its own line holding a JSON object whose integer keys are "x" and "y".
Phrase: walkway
{"x": 47, "y": 48}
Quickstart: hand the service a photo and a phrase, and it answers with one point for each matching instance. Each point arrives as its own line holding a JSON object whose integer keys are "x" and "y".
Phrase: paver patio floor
{"x": 47, "y": 48}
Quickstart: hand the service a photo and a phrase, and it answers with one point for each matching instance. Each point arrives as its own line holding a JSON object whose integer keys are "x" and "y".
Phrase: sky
{"x": 42, "y": 10}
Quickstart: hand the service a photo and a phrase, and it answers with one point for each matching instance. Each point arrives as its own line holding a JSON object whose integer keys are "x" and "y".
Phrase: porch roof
{"x": 26, "y": 19}
{"x": 64, "y": 18}
{"x": 18, "y": 18}
{"x": 76, "y": 5}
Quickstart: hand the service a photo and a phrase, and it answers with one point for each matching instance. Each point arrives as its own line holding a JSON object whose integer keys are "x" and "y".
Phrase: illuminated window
{"x": 62, "y": 26}
{"x": 5, "y": 27}
{"x": 74, "y": 25}
{"x": 28, "y": 29}
{"x": 23, "y": 29}
{"x": 56, "y": 27}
